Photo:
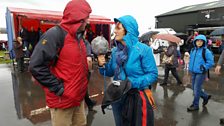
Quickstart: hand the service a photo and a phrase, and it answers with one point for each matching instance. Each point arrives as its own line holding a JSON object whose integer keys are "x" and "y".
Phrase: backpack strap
{"x": 203, "y": 54}
{"x": 62, "y": 33}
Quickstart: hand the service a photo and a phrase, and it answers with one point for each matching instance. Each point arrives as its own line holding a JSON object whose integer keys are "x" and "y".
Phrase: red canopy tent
{"x": 44, "y": 19}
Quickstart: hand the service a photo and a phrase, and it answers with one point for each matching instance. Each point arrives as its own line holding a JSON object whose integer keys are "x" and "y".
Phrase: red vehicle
{"x": 45, "y": 19}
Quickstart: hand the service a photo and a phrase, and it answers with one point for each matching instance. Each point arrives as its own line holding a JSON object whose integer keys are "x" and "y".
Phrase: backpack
{"x": 62, "y": 34}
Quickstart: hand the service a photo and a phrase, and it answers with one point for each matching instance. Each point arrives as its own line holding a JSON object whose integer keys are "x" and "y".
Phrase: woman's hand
{"x": 101, "y": 60}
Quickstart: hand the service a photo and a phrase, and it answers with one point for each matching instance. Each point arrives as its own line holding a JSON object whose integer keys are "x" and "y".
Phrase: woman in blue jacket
{"x": 198, "y": 66}
{"x": 130, "y": 60}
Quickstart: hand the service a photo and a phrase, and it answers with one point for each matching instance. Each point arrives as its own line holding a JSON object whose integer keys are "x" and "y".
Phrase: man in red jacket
{"x": 64, "y": 82}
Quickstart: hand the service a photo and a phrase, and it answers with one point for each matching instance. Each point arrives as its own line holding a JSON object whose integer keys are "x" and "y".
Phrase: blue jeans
{"x": 117, "y": 111}
{"x": 197, "y": 81}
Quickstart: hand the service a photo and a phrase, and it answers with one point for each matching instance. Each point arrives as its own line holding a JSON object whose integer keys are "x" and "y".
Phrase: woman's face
{"x": 119, "y": 32}
{"x": 199, "y": 43}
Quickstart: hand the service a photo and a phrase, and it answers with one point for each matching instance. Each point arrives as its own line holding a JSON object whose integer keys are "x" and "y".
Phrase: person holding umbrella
{"x": 171, "y": 51}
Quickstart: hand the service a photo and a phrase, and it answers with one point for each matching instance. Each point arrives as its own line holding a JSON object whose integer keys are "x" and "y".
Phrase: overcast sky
{"x": 143, "y": 10}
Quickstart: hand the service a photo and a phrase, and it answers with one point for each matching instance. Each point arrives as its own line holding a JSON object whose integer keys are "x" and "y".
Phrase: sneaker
{"x": 163, "y": 84}
{"x": 192, "y": 108}
{"x": 205, "y": 101}
{"x": 222, "y": 121}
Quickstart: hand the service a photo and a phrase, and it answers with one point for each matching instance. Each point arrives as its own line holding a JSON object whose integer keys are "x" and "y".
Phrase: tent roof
{"x": 53, "y": 15}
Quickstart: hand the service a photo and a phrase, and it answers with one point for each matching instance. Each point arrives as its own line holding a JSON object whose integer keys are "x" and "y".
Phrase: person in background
{"x": 217, "y": 71}
{"x": 155, "y": 45}
{"x": 189, "y": 41}
{"x": 171, "y": 50}
{"x": 18, "y": 48}
{"x": 130, "y": 60}
{"x": 186, "y": 60}
{"x": 64, "y": 74}
{"x": 23, "y": 34}
{"x": 198, "y": 67}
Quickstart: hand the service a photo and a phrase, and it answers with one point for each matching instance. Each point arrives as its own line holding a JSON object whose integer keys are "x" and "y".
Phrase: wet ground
{"x": 23, "y": 102}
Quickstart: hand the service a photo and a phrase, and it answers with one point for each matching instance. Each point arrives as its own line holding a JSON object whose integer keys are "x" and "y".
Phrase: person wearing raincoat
{"x": 63, "y": 71}
{"x": 198, "y": 67}
{"x": 131, "y": 60}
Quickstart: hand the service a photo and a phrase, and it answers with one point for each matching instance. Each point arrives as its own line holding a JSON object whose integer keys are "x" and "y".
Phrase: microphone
{"x": 99, "y": 46}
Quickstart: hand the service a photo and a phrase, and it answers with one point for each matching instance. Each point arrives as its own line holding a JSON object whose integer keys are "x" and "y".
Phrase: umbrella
{"x": 146, "y": 36}
{"x": 218, "y": 31}
{"x": 168, "y": 37}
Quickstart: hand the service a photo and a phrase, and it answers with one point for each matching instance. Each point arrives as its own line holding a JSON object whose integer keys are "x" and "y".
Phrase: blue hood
{"x": 131, "y": 26}
{"x": 200, "y": 37}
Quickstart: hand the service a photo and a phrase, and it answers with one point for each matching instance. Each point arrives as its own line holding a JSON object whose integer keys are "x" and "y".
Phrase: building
{"x": 205, "y": 17}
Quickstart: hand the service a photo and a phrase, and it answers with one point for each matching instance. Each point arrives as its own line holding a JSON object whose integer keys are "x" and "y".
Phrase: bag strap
{"x": 62, "y": 33}
{"x": 203, "y": 54}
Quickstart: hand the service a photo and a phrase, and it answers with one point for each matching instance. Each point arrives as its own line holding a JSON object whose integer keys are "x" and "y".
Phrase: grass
{"x": 3, "y": 58}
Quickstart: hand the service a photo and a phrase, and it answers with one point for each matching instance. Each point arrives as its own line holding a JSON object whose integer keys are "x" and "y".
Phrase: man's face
{"x": 84, "y": 23}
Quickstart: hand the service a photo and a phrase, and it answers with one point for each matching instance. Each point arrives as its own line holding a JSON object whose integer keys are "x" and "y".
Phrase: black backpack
{"x": 62, "y": 33}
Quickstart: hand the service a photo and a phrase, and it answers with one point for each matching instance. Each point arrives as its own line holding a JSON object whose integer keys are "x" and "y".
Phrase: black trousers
{"x": 174, "y": 73}
{"x": 20, "y": 63}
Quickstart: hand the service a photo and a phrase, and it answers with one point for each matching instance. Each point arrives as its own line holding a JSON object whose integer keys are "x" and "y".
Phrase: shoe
{"x": 205, "y": 102}
{"x": 163, "y": 84}
{"x": 192, "y": 108}
{"x": 90, "y": 107}
{"x": 222, "y": 121}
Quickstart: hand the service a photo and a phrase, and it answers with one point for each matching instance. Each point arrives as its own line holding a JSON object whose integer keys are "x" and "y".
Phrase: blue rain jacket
{"x": 140, "y": 68}
{"x": 196, "y": 58}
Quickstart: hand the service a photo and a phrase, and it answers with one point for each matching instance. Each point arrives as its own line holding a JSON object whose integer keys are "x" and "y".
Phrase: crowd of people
{"x": 61, "y": 62}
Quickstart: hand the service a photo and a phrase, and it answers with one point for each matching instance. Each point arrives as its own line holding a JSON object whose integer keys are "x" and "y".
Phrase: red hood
{"x": 74, "y": 12}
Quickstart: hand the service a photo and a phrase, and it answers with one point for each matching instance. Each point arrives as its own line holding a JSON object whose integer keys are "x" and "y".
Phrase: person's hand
{"x": 202, "y": 68}
{"x": 57, "y": 89}
{"x": 164, "y": 49}
{"x": 101, "y": 60}
{"x": 217, "y": 69}
{"x": 90, "y": 63}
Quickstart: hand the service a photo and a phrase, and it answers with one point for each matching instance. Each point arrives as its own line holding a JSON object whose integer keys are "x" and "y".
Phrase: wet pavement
{"x": 23, "y": 102}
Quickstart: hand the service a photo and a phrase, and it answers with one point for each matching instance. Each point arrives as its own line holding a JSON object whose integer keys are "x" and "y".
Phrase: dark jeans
{"x": 197, "y": 81}
{"x": 20, "y": 63}
{"x": 173, "y": 71}
{"x": 117, "y": 111}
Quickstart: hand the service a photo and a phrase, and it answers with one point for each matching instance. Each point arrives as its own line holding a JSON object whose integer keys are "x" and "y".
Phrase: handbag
{"x": 168, "y": 60}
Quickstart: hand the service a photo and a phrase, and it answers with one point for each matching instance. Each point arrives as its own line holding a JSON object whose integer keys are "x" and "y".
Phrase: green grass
{"x": 3, "y": 59}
